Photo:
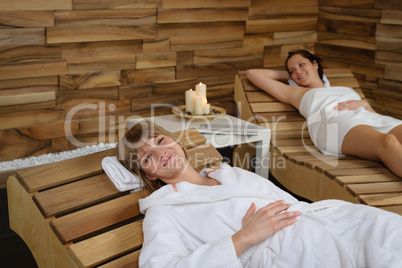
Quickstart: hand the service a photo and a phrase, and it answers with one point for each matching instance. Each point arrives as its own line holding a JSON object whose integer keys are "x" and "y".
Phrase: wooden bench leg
{"x": 38, "y": 236}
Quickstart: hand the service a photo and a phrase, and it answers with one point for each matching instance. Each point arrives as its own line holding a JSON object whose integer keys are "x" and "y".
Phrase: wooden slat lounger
{"x": 70, "y": 214}
{"x": 313, "y": 175}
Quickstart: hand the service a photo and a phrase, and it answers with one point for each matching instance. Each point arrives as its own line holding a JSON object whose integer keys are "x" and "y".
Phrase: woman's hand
{"x": 258, "y": 226}
{"x": 353, "y": 105}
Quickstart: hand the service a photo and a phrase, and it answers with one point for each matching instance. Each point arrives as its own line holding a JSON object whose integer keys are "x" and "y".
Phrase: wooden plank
{"x": 279, "y": 117}
{"x": 133, "y": 17}
{"x": 260, "y": 96}
{"x": 116, "y": 4}
{"x": 252, "y": 40}
{"x": 284, "y": 126}
{"x": 20, "y": 53}
{"x": 167, "y": 100}
{"x": 26, "y": 18}
{"x": 159, "y": 45}
{"x": 350, "y": 14}
{"x": 96, "y": 218}
{"x": 380, "y": 200}
{"x": 280, "y": 25}
{"x": 22, "y": 36}
{"x": 100, "y": 64}
{"x": 347, "y": 3}
{"x": 27, "y": 221}
{"x": 376, "y": 188}
{"x": 295, "y": 37}
{"x": 8, "y": 98}
{"x": 194, "y": 33}
{"x": 273, "y": 107}
{"x": 389, "y": 30}
{"x": 183, "y": 15}
{"x": 389, "y": 4}
{"x": 98, "y": 33}
{"x": 356, "y": 54}
{"x": 225, "y": 55}
{"x": 108, "y": 246}
{"x": 35, "y": 5}
{"x": 367, "y": 178}
{"x": 92, "y": 80}
{"x": 347, "y": 40}
{"x": 358, "y": 163}
{"x": 333, "y": 173}
{"x": 277, "y": 11}
{"x": 204, "y": 3}
{"x": 346, "y": 27}
{"x": 127, "y": 261}
{"x": 104, "y": 93}
{"x": 51, "y": 83}
{"x": 32, "y": 69}
{"x": 26, "y": 119}
{"x": 101, "y": 49}
{"x": 215, "y": 69}
{"x": 393, "y": 72}
{"x": 53, "y": 202}
{"x": 37, "y": 178}
{"x": 270, "y": 3}
{"x": 155, "y": 60}
{"x": 147, "y": 75}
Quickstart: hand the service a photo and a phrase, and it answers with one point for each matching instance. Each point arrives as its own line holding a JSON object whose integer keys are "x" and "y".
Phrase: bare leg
{"x": 397, "y": 131}
{"x": 364, "y": 142}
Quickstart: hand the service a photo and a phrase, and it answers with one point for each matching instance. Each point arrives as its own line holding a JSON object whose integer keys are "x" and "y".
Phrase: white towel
{"x": 324, "y": 79}
{"x": 122, "y": 178}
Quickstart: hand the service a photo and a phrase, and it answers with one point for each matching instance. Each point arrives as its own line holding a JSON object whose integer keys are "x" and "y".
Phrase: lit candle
{"x": 197, "y": 105}
{"x": 207, "y": 108}
{"x": 189, "y": 100}
{"x": 201, "y": 90}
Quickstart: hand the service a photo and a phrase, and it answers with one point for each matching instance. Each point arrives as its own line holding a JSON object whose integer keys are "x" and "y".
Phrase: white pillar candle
{"x": 189, "y": 100}
{"x": 197, "y": 105}
{"x": 201, "y": 90}
{"x": 207, "y": 108}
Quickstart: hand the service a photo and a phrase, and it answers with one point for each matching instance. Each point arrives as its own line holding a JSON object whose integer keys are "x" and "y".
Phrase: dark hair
{"x": 310, "y": 57}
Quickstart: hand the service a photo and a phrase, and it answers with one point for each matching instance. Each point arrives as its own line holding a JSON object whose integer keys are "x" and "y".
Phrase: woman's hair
{"x": 310, "y": 57}
{"x": 135, "y": 138}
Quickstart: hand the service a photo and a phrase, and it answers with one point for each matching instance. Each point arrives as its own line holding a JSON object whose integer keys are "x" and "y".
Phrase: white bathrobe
{"x": 188, "y": 225}
{"x": 327, "y": 127}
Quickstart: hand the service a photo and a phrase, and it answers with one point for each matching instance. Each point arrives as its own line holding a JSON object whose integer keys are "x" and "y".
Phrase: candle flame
{"x": 205, "y": 100}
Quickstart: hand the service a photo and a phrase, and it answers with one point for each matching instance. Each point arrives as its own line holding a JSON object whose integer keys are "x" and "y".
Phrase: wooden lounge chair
{"x": 298, "y": 165}
{"x": 70, "y": 214}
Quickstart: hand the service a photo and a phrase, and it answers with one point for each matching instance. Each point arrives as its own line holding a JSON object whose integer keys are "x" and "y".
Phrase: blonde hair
{"x": 133, "y": 139}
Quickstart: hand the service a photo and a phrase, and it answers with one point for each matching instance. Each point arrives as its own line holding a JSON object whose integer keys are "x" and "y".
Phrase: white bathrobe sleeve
{"x": 166, "y": 245}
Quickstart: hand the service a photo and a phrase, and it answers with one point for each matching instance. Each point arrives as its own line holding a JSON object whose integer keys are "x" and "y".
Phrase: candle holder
{"x": 214, "y": 112}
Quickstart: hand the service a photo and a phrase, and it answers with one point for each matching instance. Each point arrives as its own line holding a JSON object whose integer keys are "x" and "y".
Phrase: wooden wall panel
{"x": 22, "y": 36}
{"x": 29, "y": 19}
{"x": 202, "y": 15}
{"x": 204, "y": 3}
{"x": 14, "y": 54}
{"x": 35, "y": 4}
{"x": 365, "y": 36}
{"x": 121, "y": 57}
{"x": 115, "y": 4}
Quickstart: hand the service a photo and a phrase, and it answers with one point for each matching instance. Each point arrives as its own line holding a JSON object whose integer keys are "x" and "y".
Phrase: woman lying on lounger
{"x": 234, "y": 218}
{"x": 339, "y": 122}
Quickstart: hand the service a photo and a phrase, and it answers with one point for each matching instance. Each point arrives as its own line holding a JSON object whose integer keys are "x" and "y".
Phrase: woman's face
{"x": 302, "y": 71}
{"x": 161, "y": 157}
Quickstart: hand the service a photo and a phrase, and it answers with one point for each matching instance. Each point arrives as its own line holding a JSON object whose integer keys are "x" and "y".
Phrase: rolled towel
{"x": 324, "y": 78}
{"x": 122, "y": 178}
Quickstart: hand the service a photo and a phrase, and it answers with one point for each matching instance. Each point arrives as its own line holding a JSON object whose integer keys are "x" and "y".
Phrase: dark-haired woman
{"x": 339, "y": 121}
